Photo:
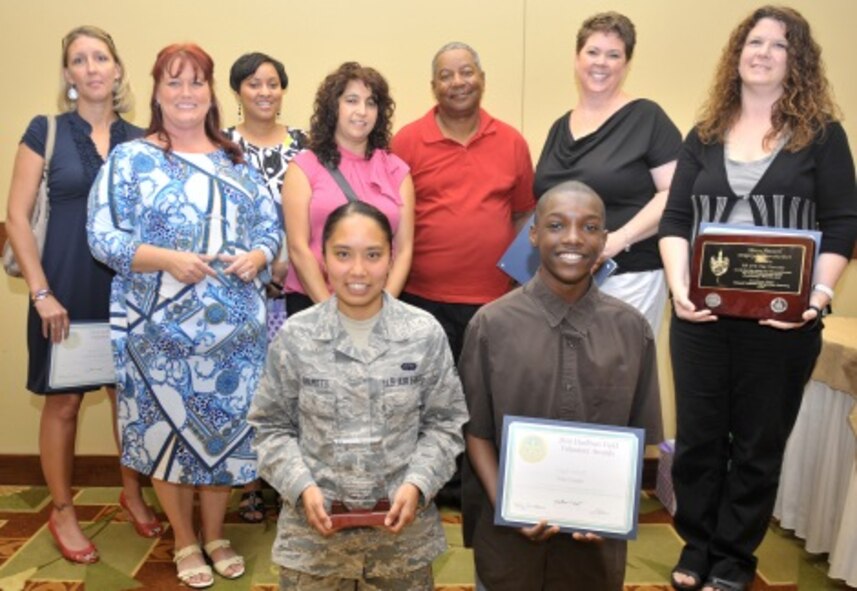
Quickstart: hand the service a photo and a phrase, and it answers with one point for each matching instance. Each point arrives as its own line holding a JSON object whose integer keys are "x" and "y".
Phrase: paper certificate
{"x": 84, "y": 358}
{"x": 581, "y": 477}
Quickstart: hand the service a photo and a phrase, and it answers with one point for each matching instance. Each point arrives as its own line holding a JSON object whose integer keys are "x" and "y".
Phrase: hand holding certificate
{"x": 84, "y": 358}
{"x": 576, "y": 476}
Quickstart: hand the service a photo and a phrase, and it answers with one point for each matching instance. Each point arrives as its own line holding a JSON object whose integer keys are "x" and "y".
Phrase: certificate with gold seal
{"x": 84, "y": 358}
{"x": 578, "y": 476}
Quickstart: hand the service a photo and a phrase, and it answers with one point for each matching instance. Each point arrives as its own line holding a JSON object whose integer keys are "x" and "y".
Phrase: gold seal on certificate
{"x": 753, "y": 272}
{"x": 580, "y": 477}
{"x": 84, "y": 358}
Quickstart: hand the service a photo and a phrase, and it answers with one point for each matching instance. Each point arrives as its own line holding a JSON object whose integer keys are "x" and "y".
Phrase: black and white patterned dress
{"x": 271, "y": 161}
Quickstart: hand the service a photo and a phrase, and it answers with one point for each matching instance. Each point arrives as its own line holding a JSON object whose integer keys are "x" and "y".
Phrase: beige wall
{"x": 526, "y": 47}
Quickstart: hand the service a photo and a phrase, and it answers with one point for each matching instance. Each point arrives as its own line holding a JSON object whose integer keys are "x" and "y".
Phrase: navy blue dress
{"x": 79, "y": 282}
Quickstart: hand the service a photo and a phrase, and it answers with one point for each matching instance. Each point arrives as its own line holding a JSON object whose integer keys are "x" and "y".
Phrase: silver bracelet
{"x": 41, "y": 295}
{"x": 822, "y": 288}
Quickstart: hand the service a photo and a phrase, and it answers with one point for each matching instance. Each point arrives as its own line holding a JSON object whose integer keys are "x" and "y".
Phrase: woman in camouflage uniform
{"x": 360, "y": 401}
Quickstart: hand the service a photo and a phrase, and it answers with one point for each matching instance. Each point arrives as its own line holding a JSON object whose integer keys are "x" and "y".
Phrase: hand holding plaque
{"x": 753, "y": 272}
{"x": 342, "y": 516}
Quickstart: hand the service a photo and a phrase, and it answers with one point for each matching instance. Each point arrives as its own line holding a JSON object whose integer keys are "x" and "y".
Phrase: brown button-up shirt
{"x": 532, "y": 354}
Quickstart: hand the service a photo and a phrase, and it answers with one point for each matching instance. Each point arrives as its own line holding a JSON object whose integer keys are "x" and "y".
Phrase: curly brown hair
{"x": 806, "y": 105}
{"x": 326, "y": 112}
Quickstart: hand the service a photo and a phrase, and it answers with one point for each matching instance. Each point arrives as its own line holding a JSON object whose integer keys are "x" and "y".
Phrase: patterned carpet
{"x": 29, "y": 560}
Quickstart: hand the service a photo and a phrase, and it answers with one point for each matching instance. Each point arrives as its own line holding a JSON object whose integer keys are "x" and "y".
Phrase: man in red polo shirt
{"x": 473, "y": 178}
{"x": 474, "y": 184}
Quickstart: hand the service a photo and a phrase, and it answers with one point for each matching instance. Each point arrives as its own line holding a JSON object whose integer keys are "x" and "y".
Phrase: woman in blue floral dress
{"x": 190, "y": 231}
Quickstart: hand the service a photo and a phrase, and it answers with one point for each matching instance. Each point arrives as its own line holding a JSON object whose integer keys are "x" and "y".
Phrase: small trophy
{"x": 361, "y": 485}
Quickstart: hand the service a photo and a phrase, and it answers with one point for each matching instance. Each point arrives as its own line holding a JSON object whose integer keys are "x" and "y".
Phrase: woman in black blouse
{"x": 625, "y": 149}
{"x": 767, "y": 151}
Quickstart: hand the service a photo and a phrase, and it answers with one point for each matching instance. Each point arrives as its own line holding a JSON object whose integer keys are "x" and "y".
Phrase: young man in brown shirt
{"x": 554, "y": 348}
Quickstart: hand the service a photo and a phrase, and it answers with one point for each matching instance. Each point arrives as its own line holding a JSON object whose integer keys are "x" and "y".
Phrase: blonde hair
{"x": 123, "y": 99}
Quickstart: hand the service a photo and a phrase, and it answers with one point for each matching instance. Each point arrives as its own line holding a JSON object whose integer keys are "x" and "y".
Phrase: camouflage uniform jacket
{"x": 329, "y": 414}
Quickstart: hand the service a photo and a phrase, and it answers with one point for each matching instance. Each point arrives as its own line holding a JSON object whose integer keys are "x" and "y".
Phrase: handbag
{"x": 41, "y": 208}
{"x": 276, "y": 316}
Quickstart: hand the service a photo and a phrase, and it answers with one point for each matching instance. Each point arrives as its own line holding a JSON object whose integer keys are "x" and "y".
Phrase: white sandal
{"x": 185, "y": 575}
{"x": 223, "y": 565}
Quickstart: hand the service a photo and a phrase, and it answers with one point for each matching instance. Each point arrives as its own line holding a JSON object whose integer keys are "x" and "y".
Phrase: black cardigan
{"x": 813, "y": 188}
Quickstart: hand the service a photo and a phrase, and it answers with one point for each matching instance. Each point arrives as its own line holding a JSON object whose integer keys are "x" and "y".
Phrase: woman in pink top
{"x": 349, "y": 130}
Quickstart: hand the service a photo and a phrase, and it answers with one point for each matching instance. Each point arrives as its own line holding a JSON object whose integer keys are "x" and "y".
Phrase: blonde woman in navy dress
{"x": 66, "y": 284}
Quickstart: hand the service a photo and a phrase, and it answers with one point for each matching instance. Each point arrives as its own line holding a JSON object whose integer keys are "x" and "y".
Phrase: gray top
{"x": 743, "y": 178}
{"x": 358, "y": 423}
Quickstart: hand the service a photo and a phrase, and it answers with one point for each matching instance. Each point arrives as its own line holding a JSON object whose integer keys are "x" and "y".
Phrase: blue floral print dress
{"x": 188, "y": 356}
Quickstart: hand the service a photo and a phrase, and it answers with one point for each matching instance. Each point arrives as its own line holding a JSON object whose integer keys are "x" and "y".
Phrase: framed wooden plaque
{"x": 752, "y": 275}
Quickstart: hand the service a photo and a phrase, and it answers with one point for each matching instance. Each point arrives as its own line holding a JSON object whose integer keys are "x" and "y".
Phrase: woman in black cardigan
{"x": 767, "y": 151}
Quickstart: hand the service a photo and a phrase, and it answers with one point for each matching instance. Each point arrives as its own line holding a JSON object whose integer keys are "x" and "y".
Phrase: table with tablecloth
{"x": 817, "y": 497}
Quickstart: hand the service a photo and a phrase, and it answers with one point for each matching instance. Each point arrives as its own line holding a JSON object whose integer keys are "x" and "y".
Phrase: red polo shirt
{"x": 465, "y": 198}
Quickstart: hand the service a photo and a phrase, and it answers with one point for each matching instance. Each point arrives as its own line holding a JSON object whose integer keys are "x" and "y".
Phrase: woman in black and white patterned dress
{"x": 259, "y": 82}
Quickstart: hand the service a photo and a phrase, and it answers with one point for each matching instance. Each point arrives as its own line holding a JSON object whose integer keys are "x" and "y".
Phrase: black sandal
{"x": 251, "y": 508}
{"x": 695, "y": 586}
{"x": 719, "y": 584}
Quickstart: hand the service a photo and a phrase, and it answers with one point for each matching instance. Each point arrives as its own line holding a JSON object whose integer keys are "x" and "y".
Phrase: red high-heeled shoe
{"x": 88, "y": 555}
{"x": 151, "y": 529}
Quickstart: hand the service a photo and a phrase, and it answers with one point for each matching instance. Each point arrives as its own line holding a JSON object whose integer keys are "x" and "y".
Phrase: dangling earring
{"x": 116, "y": 87}
{"x": 240, "y": 114}
{"x": 71, "y": 93}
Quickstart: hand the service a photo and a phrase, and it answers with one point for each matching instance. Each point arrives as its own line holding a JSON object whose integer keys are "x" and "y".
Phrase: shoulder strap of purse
{"x": 49, "y": 141}
{"x": 343, "y": 184}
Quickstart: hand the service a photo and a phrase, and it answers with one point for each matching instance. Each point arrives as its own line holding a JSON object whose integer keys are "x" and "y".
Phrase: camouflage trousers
{"x": 420, "y": 579}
